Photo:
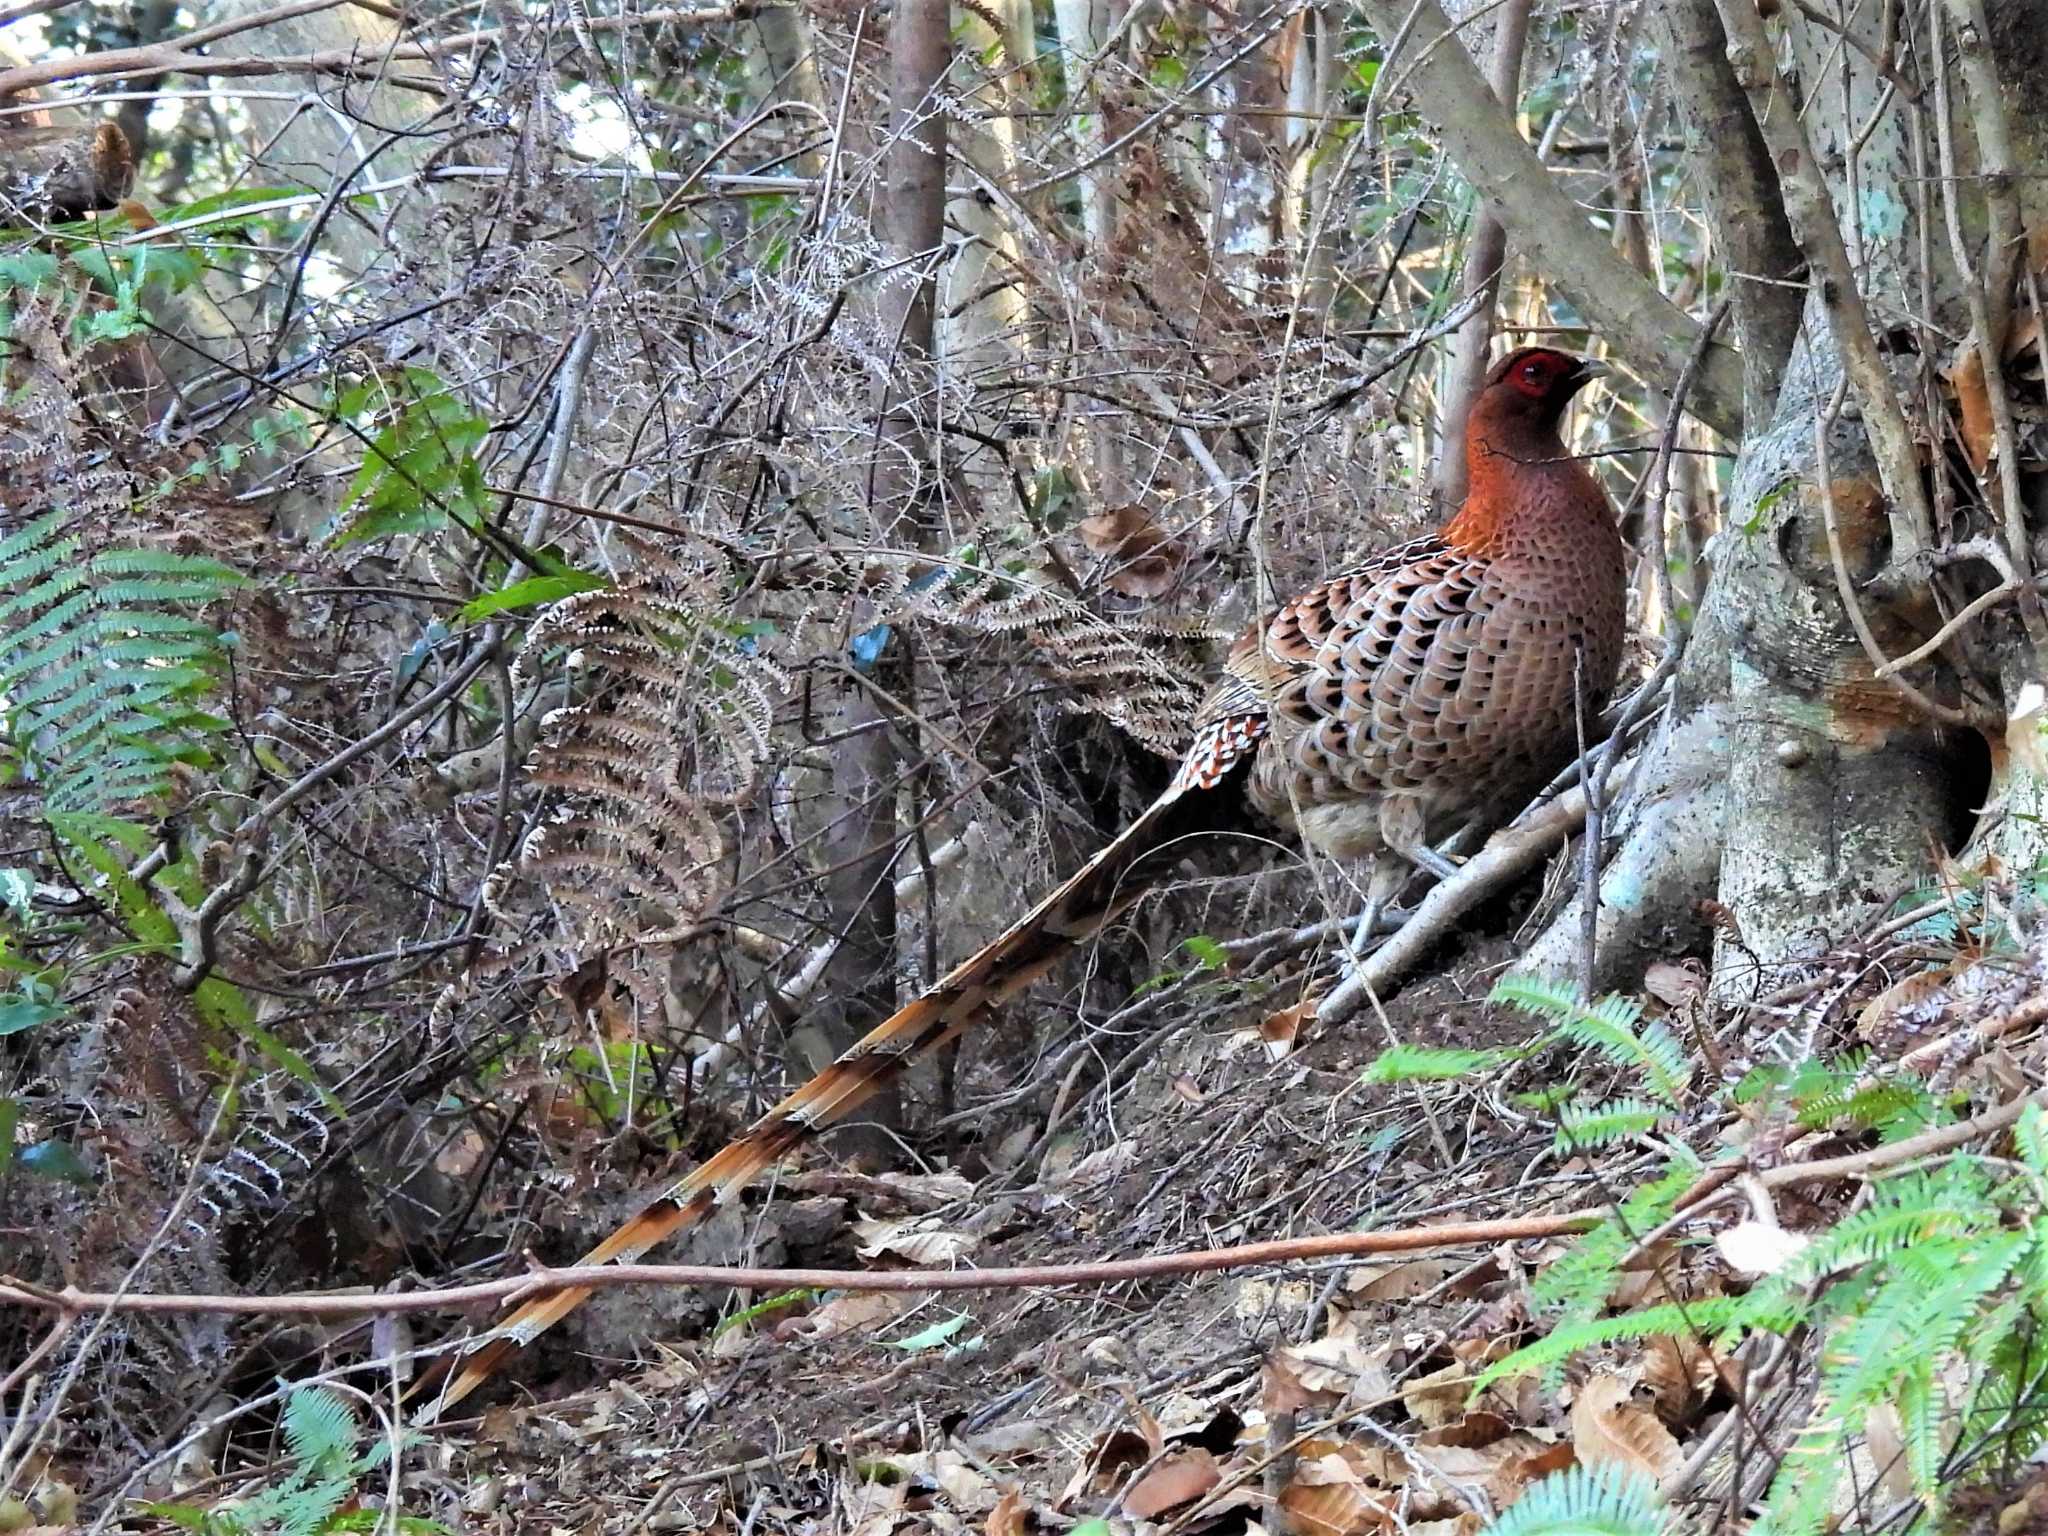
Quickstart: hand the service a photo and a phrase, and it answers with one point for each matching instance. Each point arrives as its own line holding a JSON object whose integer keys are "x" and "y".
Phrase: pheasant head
{"x": 1517, "y": 469}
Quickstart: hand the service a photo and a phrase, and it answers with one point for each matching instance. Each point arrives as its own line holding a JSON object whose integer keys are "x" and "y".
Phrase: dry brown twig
{"x": 154, "y": 60}
{"x": 1109, "y": 1272}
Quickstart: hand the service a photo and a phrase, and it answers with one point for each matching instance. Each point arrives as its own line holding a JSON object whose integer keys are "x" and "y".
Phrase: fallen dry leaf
{"x": 1443, "y": 1471}
{"x": 1010, "y": 1517}
{"x": 1467, "y": 1524}
{"x": 1755, "y": 1247}
{"x": 461, "y": 1154}
{"x": 1278, "y": 1031}
{"x": 1334, "y": 1509}
{"x": 1679, "y": 1373}
{"x": 1674, "y": 984}
{"x": 1178, "y": 1479}
{"x": 1398, "y": 1282}
{"x": 914, "y": 1241}
{"x": 1472, "y": 1431}
{"x": 1480, "y": 1351}
{"x": 1515, "y": 1478}
{"x": 1280, "y": 1386}
{"x": 969, "y": 1489}
{"x": 1113, "y": 1458}
{"x": 854, "y": 1314}
{"x": 1888, "y": 1450}
{"x": 1973, "y": 406}
{"x": 1610, "y": 1429}
{"x": 1343, "y": 1365}
{"x": 875, "y": 1506}
{"x": 1909, "y": 1010}
{"x": 1439, "y": 1398}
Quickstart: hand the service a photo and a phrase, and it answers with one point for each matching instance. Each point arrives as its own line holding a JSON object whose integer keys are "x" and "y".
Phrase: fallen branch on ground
{"x": 1455, "y": 1234}
{"x": 515, "y": 1288}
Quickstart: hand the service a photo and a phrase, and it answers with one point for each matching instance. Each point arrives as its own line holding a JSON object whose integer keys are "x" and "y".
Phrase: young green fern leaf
{"x": 1940, "y": 1281}
{"x": 1427, "y": 1063}
{"x": 1608, "y": 1028}
{"x": 320, "y": 1435}
{"x": 1581, "y": 1127}
{"x": 1707, "y": 1315}
{"x": 1578, "y": 1284}
{"x": 2031, "y": 1136}
{"x": 1893, "y": 1107}
{"x": 1606, "y": 1501}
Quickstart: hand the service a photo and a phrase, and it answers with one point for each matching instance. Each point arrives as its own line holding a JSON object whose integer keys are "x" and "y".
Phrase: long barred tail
{"x": 1079, "y": 909}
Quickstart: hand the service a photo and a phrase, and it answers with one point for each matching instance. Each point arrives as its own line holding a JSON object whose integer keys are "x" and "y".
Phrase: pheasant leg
{"x": 1425, "y": 857}
{"x": 1388, "y": 872}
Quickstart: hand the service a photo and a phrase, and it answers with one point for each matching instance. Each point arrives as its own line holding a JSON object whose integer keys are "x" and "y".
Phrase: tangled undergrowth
{"x": 428, "y": 664}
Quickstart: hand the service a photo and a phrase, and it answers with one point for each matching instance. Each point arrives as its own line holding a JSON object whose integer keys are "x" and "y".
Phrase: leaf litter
{"x": 1333, "y": 1399}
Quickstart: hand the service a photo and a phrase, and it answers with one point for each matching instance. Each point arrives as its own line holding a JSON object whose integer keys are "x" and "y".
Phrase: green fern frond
{"x": 1707, "y": 1315}
{"x": 1943, "y": 1290}
{"x": 1758, "y": 1081}
{"x": 1601, "y": 1501}
{"x": 1547, "y": 997}
{"x": 1607, "y": 1027}
{"x": 1919, "y": 1405}
{"x": 2031, "y": 1137}
{"x": 104, "y": 657}
{"x": 2009, "y": 1407}
{"x": 1894, "y": 1106}
{"x": 1914, "y": 1208}
{"x": 1931, "y": 1270}
{"x": 1584, "y": 1126}
{"x": 1654, "y": 1052}
{"x": 1802, "y": 1493}
{"x": 1578, "y": 1283}
{"x": 1425, "y": 1063}
{"x": 320, "y": 1427}
{"x": 321, "y": 1433}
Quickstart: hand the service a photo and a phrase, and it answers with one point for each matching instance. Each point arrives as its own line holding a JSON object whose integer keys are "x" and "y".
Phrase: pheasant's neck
{"x": 1522, "y": 487}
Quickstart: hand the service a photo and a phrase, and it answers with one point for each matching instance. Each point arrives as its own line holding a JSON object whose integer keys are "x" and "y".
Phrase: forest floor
{"x": 1327, "y": 1397}
{"x": 1184, "y": 1404}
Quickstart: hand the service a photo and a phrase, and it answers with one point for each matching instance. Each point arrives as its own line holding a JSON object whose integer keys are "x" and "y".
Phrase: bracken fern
{"x": 106, "y": 662}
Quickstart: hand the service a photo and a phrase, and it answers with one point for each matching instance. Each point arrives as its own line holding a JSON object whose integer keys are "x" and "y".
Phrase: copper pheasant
{"x": 1437, "y": 682}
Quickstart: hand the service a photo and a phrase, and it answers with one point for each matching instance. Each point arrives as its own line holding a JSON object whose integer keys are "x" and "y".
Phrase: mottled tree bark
{"x": 1837, "y": 790}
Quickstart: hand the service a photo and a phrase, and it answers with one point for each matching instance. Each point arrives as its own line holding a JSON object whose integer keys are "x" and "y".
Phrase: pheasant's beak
{"x": 1588, "y": 371}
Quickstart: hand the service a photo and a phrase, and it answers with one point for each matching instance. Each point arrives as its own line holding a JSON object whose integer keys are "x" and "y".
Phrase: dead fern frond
{"x": 1112, "y": 667}
{"x": 155, "y": 1048}
{"x": 669, "y": 735}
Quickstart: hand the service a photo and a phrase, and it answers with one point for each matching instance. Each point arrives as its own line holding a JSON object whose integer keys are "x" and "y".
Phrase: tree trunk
{"x": 862, "y": 838}
{"x": 1486, "y": 256}
{"x": 1850, "y": 788}
{"x": 1247, "y": 145}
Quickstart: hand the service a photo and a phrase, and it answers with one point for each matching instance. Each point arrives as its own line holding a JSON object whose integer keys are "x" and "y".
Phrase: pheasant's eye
{"x": 1533, "y": 372}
